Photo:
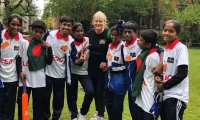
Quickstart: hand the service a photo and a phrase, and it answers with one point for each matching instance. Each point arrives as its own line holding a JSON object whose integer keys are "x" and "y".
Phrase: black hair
{"x": 150, "y": 36}
{"x": 66, "y": 19}
{"x": 39, "y": 24}
{"x": 12, "y": 16}
{"x": 118, "y": 26}
{"x": 177, "y": 25}
{"x": 75, "y": 26}
{"x": 130, "y": 25}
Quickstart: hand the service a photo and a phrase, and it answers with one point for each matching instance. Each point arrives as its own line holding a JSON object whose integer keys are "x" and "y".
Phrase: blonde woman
{"x": 99, "y": 40}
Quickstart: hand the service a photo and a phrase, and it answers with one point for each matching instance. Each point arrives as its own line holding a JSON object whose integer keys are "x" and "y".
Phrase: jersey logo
{"x": 116, "y": 58}
{"x": 133, "y": 54}
{"x": 4, "y": 45}
{"x": 170, "y": 60}
{"x": 102, "y": 41}
{"x": 16, "y": 47}
{"x": 64, "y": 48}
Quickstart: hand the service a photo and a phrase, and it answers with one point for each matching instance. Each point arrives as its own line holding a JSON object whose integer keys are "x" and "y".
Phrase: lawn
{"x": 191, "y": 113}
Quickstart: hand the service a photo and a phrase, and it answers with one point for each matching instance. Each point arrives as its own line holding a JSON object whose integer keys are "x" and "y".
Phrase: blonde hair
{"x": 102, "y": 15}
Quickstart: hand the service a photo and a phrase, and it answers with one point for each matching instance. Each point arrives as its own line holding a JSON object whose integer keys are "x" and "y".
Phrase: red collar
{"x": 79, "y": 43}
{"x": 152, "y": 51}
{"x": 7, "y": 36}
{"x": 112, "y": 46}
{"x": 58, "y": 36}
{"x": 172, "y": 45}
{"x": 132, "y": 42}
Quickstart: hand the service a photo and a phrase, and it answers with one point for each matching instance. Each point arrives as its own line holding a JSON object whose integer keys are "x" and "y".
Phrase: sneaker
{"x": 81, "y": 117}
{"x": 97, "y": 118}
{"x": 94, "y": 116}
{"x": 74, "y": 119}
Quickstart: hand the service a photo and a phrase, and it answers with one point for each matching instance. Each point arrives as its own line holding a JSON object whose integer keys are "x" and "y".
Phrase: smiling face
{"x": 14, "y": 27}
{"x": 169, "y": 33}
{"x": 115, "y": 36}
{"x": 99, "y": 23}
{"x": 65, "y": 28}
{"x": 78, "y": 33}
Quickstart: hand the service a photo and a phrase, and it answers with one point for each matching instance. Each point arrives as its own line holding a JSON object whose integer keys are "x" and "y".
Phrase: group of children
{"x": 49, "y": 60}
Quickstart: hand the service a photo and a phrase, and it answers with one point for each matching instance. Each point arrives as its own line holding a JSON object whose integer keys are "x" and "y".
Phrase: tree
{"x": 21, "y": 7}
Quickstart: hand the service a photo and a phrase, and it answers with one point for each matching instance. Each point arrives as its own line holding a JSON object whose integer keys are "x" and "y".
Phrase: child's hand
{"x": 46, "y": 44}
{"x": 82, "y": 58}
{"x": 160, "y": 87}
{"x": 84, "y": 49}
{"x": 157, "y": 69}
{"x": 21, "y": 75}
{"x": 159, "y": 79}
{"x": 104, "y": 67}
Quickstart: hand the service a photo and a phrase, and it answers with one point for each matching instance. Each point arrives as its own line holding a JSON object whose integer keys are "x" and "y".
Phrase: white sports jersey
{"x": 115, "y": 56}
{"x": 61, "y": 50}
{"x": 9, "y": 51}
{"x": 81, "y": 70}
{"x": 35, "y": 78}
{"x": 174, "y": 55}
{"x": 146, "y": 98}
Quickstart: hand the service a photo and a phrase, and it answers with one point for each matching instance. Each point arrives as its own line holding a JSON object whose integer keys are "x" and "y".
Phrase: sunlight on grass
{"x": 191, "y": 113}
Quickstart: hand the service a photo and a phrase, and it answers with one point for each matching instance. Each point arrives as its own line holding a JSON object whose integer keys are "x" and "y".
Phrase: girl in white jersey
{"x": 79, "y": 73}
{"x": 10, "y": 39}
{"x": 175, "y": 73}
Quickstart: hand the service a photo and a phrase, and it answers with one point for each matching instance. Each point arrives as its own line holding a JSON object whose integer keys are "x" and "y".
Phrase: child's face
{"x": 142, "y": 44}
{"x": 78, "y": 33}
{"x": 65, "y": 28}
{"x": 115, "y": 36}
{"x": 128, "y": 35}
{"x": 38, "y": 33}
{"x": 99, "y": 23}
{"x": 169, "y": 33}
{"x": 14, "y": 26}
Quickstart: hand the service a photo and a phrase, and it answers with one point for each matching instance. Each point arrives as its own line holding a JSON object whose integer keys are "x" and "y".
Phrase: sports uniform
{"x": 80, "y": 73}
{"x": 146, "y": 98}
{"x": 9, "y": 52}
{"x": 35, "y": 76}
{"x": 59, "y": 71}
{"x": 131, "y": 51}
{"x": 115, "y": 81}
{"x": 175, "y": 62}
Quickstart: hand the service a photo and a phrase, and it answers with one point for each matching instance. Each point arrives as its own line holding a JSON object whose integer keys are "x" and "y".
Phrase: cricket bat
{"x": 25, "y": 101}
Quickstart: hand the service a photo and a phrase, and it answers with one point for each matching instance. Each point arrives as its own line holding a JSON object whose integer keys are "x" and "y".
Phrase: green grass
{"x": 191, "y": 113}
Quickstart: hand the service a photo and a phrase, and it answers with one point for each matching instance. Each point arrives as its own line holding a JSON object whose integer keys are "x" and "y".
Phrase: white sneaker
{"x": 100, "y": 118}
{"x": 94, "y": 116}
{"x": 81, "y": 117}
{"x": 97, "y": 118}
{"x": 74, "y": 119}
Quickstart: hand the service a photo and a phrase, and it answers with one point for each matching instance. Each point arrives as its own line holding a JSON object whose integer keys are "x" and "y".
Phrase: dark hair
{"x": 66, "y": 19}
{"x": 39, "y": 24}
{"x": 177, "y": 25}
{"x": 150, "y": 36}
{"x": 12, "y": 16}
{"x": 130, "y": 25}
{"x": 75, "y": 26}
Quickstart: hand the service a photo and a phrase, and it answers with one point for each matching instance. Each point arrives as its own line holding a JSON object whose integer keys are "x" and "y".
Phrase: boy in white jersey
{"x": 144, "y": 85}
{"x": 10, "y": 45}
{"x": 34, "y": 57}
{"x": 175, "y": 73}
{"x": 58, "y": 72}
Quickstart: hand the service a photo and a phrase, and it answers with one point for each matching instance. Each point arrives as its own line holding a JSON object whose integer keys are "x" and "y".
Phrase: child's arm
{"x": 49, "y": 59}
{"x": 74, "y": 56}
{"x": 159, "y": 68}
{"x": 176, "y": 79}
